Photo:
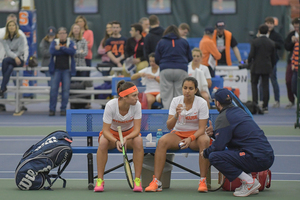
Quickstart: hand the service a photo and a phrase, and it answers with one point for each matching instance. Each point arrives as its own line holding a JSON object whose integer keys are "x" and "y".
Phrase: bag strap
{"x": 59, "y": 172}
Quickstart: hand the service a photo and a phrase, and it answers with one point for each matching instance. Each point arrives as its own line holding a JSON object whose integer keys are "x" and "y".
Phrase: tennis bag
{"x": 36, "y": 163}
{"x": 264, "y": 178}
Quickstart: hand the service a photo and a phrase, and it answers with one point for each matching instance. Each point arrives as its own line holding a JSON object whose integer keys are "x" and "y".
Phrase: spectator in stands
{"x": 101, "y": 49}
{"x": 88, "y": 35}
{"x": 262, "y": 59}
{"x": 248, "y": 149}
{"x": 208, "y": 49}
{"x": 2, "y": 51}
{"x": 126, "y": 112}
{"x": 135, "y": 49}
{"x": 289, "y": 44}
{"x": 115, "y": 45}
{"x": 184, "y": 30}
{"x": 154, "y": 35}
{"x": 224, "y": 40}
{"x": 191, "y": 134}
{"x": 295, "y": 66}
{"x": 196, "y": 64}
{"x": 172, "y": 55}
{"x": 61, "y": 67}
{"x": 150, "y": 77}
{"x": 144, "y": 21}
{"x": 44, "y": 49}
{"x": 13, "y": 44}
{"x": 81, "y": 47}
{"x": 275, "y": 37}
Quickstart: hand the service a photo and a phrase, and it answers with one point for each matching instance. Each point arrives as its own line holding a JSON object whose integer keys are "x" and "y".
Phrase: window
{"x": 159, "y": 7}
{"x": 219, "y": 7}
{"x": 85, "y": 6}
{"x": 9, "y": 6}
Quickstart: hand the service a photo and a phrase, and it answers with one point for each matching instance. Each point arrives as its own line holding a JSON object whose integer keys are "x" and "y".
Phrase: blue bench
{"x": 88, "y": 124}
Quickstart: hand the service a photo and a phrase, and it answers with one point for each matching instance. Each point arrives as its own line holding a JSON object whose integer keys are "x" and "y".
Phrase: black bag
{"x": 52, "y": 151}
{"x": 253, "y": 108}
{"x": 32, "y": 61}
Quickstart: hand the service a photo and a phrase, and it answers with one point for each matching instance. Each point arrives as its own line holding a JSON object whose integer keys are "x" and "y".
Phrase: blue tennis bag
{"x": 52, "y": 151}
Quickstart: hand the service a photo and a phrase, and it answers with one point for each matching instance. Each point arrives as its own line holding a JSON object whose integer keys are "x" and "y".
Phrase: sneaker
{"x": 202, "y": 186}
{"x": 137, "y": 185}
{"x": 51, "y": 113}
{"x": 239, "y": 188}
{"x": 154, "y": 186}
{"x": 290, "y": 105}
{"x": 265, "y": 110}
{"x": 2, "y": 107}
{"x": 276, "y": 104}
{"x": 2, "y": 92}
{"x": 247, "y": 188}
{"x": 99, "y": 185}
{"x": 63, "y": 113}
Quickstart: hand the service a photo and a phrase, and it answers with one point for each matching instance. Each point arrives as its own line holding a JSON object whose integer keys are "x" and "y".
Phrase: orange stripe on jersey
{"x": 116, "y": 134}
{"x": 183, "y": 134}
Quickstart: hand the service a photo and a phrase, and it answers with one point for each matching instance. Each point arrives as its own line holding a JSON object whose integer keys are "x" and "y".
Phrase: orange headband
{"x": 128, "y": 91}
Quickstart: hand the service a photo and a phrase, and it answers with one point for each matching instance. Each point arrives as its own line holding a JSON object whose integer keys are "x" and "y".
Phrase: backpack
{"x": 253, "y": 108}
{"x": 36, "y": 163}
{"x": 264, "y": 178}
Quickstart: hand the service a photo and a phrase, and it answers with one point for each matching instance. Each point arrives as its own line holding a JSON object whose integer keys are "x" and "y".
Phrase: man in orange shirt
{"x": 208, "y": 48}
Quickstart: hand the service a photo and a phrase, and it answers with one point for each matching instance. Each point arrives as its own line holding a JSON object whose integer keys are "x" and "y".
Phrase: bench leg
{"x": 90, "y": 171}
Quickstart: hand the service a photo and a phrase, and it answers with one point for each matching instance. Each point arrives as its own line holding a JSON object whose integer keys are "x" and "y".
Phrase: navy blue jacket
{"x": 236, "y": 130}
{"x": 173, "y": 53}
{"x": 69, "y": 50}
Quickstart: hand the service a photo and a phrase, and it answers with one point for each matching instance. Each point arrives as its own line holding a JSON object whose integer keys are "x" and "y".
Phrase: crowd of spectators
{"x": 173, "y": 59}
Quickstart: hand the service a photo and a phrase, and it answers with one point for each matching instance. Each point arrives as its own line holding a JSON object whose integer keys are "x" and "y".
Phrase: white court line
{"x": 115, "y": 154}
{"x": 122, "y": 172}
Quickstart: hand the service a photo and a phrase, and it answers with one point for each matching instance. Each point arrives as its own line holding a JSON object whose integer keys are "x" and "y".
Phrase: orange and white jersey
{"x": 112, "y": 115}
{"x": 198, "y": 111}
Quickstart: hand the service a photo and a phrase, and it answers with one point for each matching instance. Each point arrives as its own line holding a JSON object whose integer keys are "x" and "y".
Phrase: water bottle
{"x": 182, "y": 116}
{"x": 159, "y": 134}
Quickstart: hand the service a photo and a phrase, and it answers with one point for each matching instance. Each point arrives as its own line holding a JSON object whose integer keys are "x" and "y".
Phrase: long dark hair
{"x": 122, "y": 85}
{"x": 192, "y": 79}
{"x": 106, "y": 36}
{"x": 172, "y": 29}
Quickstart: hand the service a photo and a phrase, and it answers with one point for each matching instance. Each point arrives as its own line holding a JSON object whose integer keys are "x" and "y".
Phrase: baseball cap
{"x": 209, "y": 30}
{"x": 220, "y": 25}
{"x": 51, "y": 31}
{"x": 223, "y": 96}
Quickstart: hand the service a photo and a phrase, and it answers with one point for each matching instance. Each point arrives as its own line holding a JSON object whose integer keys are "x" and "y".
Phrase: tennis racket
{"x": 127, "y": 167}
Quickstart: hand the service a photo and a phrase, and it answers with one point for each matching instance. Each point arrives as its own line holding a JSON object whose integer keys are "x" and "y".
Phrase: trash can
{"x": 148, "y": 171}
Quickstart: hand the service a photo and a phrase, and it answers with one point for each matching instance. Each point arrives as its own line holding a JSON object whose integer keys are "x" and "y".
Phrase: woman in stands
{"x": 151, "y": 77}
{"x": 101, "y": 50}
{"x": 191, "y": 134}
{"x": 125, "y": 112}
{"x": 88, "y": 35}
{"x": 196, "y": 64}
{"x": 14, "y": 45}
{"x": 81, "y": 47}
{"x": 44, "y": 49}
{"x": 172, "y": 55}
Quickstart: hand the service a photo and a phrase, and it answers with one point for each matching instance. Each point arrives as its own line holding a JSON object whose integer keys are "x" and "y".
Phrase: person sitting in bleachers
{"x": 196, "y": 67}
{"x": 150, "y": 76}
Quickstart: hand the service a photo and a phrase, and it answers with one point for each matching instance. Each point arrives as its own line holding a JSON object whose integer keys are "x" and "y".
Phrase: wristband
{"x": 193, "y": 137}
{"x": 175, "y": 117}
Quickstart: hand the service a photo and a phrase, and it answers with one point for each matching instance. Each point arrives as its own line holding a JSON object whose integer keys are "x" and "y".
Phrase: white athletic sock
{"x": 202, "y": 178}
{"x": 246, "y": 177}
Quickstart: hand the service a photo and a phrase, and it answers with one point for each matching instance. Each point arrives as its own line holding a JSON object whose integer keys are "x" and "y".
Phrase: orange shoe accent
{"x": 154, "y": 186}
{"x": 202, "y": 186}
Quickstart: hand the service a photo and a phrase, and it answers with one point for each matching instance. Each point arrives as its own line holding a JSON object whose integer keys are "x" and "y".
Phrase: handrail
{"x": 19, "y": 90}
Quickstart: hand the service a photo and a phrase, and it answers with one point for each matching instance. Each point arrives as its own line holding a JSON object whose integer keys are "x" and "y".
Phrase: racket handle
{"x": 120, "y": 134}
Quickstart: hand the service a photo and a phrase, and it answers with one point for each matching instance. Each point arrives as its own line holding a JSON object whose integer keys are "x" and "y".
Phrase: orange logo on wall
{"x": 23, "y": 21}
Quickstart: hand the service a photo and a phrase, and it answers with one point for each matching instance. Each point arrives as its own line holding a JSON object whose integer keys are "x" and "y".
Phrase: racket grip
{"x": 120, "y": 134}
